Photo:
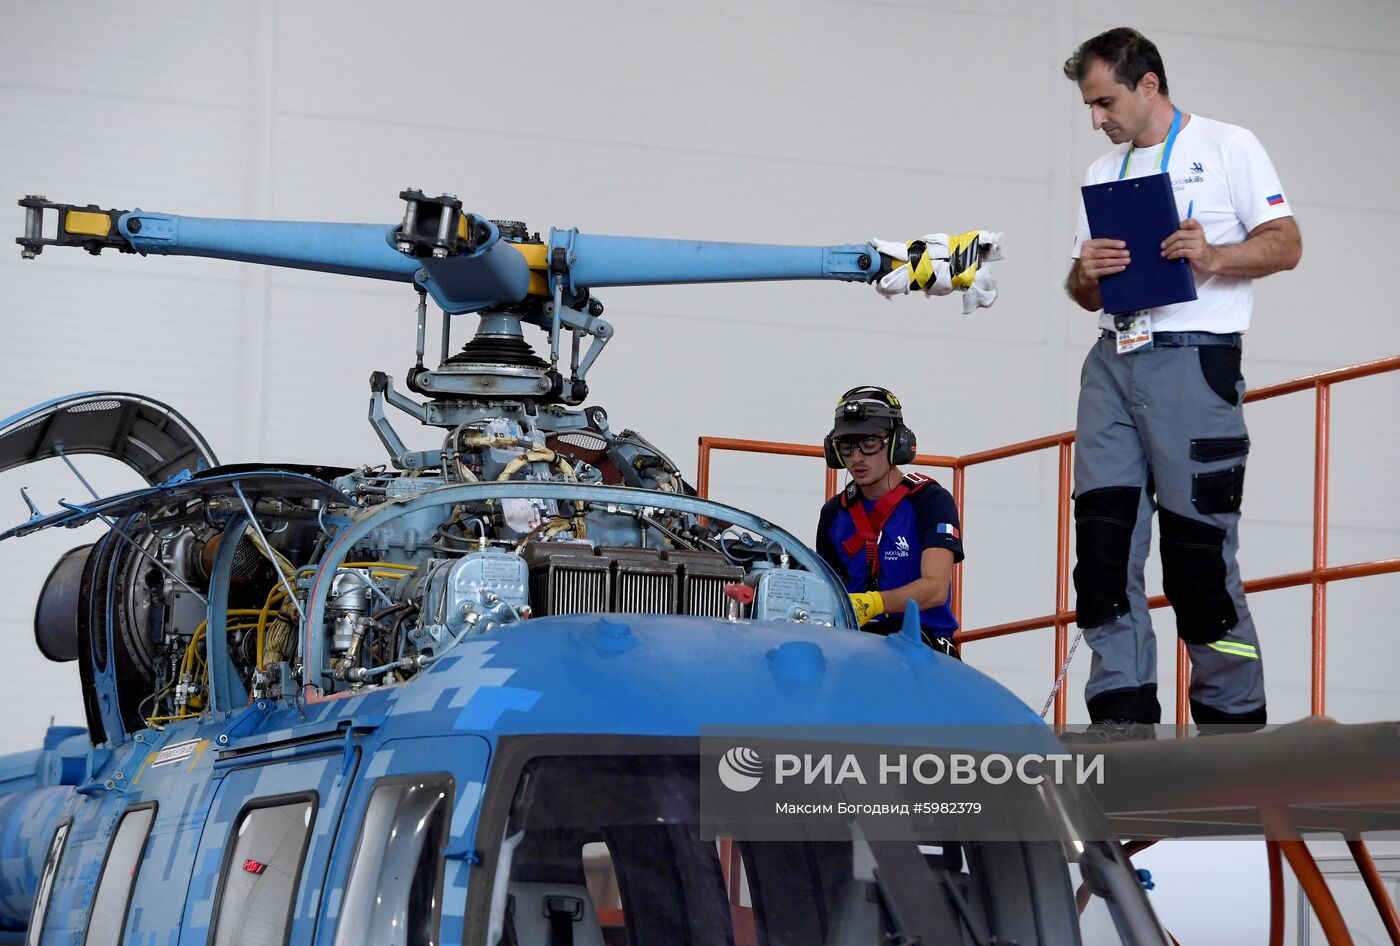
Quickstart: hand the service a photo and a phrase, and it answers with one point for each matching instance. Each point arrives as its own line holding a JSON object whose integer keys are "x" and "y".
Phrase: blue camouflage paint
{"x": 549, "y": 675}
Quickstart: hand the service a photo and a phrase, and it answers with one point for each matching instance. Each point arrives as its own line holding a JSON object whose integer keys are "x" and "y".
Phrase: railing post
{"x": 1183, "y": 688}
{"x": 1375, "y": 885}
{"x": 1319, "y": 582}
{"x": 1062, "y": 579}
{"x": 1275, "y": 893}
{"x": 1280, "y": 828}
{"x": 959, "y": 490}
{"x": 702, "y": 469}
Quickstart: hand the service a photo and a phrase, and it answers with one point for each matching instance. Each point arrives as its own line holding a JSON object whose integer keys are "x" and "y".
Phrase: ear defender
{"x": 903, "y": 445}
{"x": 833, "y": 457}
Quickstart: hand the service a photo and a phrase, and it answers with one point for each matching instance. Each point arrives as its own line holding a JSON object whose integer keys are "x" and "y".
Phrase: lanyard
{"x": 1166, "y": 148}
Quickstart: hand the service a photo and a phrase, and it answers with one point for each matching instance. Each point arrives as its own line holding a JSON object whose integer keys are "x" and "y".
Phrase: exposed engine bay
{"x": 341, "y": 580}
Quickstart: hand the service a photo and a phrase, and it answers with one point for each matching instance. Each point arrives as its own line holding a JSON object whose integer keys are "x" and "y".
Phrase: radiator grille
{"x": 566, "y": 580}
{"x": 646, "y": 587}
{"x": 703, "y": 577}
{"x": 572, "y": 579}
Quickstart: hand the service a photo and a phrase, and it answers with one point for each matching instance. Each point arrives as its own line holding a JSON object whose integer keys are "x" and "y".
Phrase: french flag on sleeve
{"x": 947, "y": 528}
{"x": 1275, "y": 200}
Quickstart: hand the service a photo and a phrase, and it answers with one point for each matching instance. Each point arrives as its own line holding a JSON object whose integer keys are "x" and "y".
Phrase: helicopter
{"x": 479, "y": 694}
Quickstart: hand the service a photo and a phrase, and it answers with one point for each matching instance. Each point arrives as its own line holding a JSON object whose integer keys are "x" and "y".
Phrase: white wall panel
{"x": 783, "y": 79}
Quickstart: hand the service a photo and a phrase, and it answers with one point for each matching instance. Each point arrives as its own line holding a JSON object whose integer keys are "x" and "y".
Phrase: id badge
{"x": 1133, "y": 330}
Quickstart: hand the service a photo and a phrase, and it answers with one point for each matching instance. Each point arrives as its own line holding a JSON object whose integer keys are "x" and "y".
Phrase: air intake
{"x": 568, "y": 579}
{"x": 703, "y": 576}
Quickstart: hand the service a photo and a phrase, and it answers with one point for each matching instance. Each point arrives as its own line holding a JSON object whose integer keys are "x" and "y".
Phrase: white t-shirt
{"x": 1223, "y": 171}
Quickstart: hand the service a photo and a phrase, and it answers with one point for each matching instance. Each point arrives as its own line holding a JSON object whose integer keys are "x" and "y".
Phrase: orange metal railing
{"x": 1319, "y": 576}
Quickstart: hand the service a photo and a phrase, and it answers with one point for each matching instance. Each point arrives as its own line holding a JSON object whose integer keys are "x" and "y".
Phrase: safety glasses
{"x": 869, "y": 446}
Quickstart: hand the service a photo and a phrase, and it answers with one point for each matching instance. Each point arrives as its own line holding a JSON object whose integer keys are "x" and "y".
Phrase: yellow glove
{"x": 869, "y": 605}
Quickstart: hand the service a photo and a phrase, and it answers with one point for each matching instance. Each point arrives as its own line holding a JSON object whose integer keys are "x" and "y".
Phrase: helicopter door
{"x": 262, "y": 858}
{"x": 399, "y": 873}
{"x": 148, "y": 436}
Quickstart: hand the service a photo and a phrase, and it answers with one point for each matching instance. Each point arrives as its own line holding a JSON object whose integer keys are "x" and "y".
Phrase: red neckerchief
{"x": 869, "y": 525}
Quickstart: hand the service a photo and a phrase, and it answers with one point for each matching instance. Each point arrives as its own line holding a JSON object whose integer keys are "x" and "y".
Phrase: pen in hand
{"x": 1190, "y": 209}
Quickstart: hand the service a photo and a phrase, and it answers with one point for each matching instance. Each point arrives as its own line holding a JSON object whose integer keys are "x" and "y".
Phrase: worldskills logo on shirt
{"x": 1196, "y": 176}
{"x": 900, "y": 550}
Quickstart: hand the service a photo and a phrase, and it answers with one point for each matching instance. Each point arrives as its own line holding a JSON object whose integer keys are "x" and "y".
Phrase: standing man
{"x": 893, "y": 537}
{"x": 1161, "y": 424}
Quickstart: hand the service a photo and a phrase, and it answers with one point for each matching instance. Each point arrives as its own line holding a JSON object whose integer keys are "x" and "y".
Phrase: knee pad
{"x": 1138, "y": 705}
{"x": 1208, "y": 716}
{"x": 1193, "y": 576}
{"x": 1103, "y": 520}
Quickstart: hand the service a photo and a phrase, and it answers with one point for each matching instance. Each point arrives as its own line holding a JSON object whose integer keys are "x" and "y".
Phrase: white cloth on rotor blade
{"x": 981, "y": 294}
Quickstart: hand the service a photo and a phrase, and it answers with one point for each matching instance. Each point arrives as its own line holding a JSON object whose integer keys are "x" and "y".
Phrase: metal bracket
{"x": 244, "y": 723}
{"x": 857, "y": 264}
{"x": 382, "y": 390}
{"x": 90, "y": 227}
{"x": 34, "y": 512}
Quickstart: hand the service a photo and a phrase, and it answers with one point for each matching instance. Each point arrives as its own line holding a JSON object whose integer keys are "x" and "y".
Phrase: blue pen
{"x": 1190, "y": 206}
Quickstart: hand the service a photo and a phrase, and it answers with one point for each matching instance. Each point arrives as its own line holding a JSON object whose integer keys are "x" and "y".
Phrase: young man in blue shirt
{"x": 892, "y": 537}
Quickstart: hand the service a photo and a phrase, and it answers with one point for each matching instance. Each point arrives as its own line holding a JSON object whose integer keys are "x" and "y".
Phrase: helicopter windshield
{"x": 609, "y": 850}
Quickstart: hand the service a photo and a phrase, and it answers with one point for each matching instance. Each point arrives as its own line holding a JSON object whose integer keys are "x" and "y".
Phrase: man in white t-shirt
{"x": 1160, "y": 423}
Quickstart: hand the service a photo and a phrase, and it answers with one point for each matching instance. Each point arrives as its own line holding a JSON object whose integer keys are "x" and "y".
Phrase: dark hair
{"x": 1128, "y": 53}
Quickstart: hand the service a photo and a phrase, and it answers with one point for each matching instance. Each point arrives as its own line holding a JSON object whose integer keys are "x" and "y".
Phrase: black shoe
{"x": 1112, "y": 730}
{"x": 1227, "y": 729}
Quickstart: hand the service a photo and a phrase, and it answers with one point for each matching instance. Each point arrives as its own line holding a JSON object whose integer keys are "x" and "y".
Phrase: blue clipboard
{"x": 1140, "y": 211}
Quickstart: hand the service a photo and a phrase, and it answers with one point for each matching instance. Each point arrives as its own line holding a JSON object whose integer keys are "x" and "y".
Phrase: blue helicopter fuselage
{"x": 622, "y": 675}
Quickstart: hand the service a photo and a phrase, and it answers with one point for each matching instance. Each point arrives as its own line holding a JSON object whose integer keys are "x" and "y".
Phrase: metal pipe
{"x": 1275, "y": 893}
{"x": 422, "y": 320}
{"x": 782, "y": 449}
{"x": 702, "y": 470}
{"x": 960, "y": 501}
{"x": 1062, "y": 575}
{"x": 58, "y": 449}
{"x": 1015, "y": 449}
{"x": 1364, "y": 370}
{"x": 1183, "y": 688}
{"x": 1332, "y": 573}
{"x": 1376, "y": 886}
{"x": 1319, "y": 589}
{"x": 1329, "y": 916}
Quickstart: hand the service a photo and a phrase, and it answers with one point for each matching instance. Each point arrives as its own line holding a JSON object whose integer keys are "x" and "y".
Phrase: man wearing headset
{"x": 893, "y": 537}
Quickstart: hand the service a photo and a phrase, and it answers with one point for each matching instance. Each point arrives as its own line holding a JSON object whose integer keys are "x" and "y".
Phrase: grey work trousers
{"x": 1162, "y": 428}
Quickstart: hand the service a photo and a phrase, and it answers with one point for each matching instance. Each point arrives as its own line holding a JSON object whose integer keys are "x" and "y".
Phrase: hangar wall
{"x": 820, "y": 121}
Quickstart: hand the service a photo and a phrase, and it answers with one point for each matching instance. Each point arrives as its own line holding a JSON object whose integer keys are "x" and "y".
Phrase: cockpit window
{"x": 394, "y": 895}
{"x": 262, "y": 872}
{"x": 109, "y": 906}
{"x": 39, "y": 913}
{"x": 608, "y": 851}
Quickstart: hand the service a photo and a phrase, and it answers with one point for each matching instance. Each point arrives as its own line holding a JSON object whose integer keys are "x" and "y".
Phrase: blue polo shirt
{"x": 925, "y": 519}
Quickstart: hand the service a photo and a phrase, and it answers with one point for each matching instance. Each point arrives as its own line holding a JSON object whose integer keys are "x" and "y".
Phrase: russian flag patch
{"x": 947, "y": 528}
{"x": 1275, "y": 200}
